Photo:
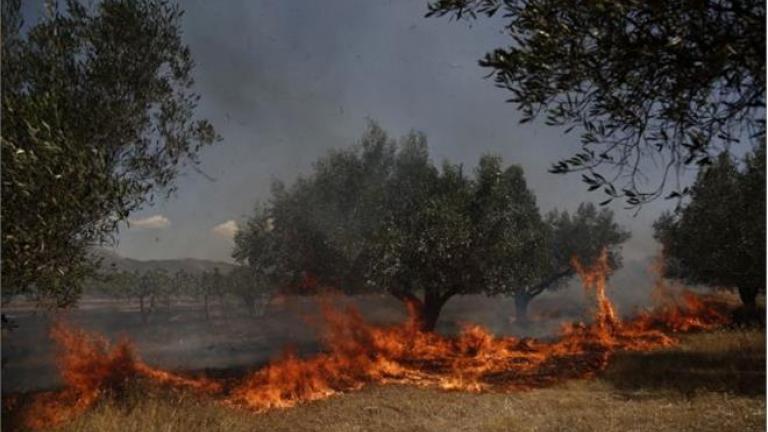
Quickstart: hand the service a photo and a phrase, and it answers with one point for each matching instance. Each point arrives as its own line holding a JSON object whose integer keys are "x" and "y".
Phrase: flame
{"x": 678, "y": 309}
{"x": 91, "y": 368}
{"x": 357, "y": 353}
{"x": 88, "y": 368}
{"x": 594, "y": 278}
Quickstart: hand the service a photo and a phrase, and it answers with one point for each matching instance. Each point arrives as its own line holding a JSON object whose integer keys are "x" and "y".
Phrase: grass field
{"x": 711, "y": 382}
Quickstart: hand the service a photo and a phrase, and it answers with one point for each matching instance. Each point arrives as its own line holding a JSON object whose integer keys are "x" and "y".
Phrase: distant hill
{"x": 111, "y": 261}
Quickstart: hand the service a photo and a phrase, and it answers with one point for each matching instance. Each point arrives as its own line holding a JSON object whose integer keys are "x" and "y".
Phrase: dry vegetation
{"x": 713, "y": 381}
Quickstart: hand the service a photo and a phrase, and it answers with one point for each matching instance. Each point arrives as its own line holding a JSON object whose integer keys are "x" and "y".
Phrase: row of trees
{"x": 653, "y": 88}
{"x": 381, "y": 216}
{"x": 99, "y": 115}
{"x": 157, "y": 289}
{"x": 99, "y": 112}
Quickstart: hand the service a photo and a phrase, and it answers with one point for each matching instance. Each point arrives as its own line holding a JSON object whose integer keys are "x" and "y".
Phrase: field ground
{"x": 711, "y": 382}
{"x": 181, "y": 339}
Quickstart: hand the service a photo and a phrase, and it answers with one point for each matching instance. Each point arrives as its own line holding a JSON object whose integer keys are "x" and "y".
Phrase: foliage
{"x": 257, "y": 244}
{"x": 315, "y": 232}
{"x": 467, "y": 235}
{"x": 649, "y": 83}
{"x": 249, "y": 286}
{"x": 718, "y": 238}
{"x": 154, "y": 288}
{"x": 583, "y": 236}
{"x": 382, "y": 216}
{"x": 98, "y": 115}
{"x": 112, "y": 284}
{"x": 150, "y": 288}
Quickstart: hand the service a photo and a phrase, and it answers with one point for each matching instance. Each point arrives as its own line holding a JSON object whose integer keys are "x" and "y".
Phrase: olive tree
{"x": 151, "y": 289}
{"x": 465, "y": 235}
{"x": 210, "y": 285}
{"x": 649, "y": 84}
{"x": 98, "y": 116}
{"x": 718, "y": 238}
{"x": 582, "y": 235}
{"x": 381, "y": 216}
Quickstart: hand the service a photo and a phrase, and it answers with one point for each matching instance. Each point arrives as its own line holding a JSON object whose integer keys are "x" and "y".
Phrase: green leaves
{"x": 96, "y": 116}
{"x": 718, "y": 237}
{"x": 380, "y": 215}
{"x": 644, "y": 82}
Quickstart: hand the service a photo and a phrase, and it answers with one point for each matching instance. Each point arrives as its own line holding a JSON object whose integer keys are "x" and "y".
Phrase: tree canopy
{"x": 98, "y": 116}
{"x": 718, "y": 238}
{"x": 653, "y": 85}
{"x": 382, "y": 216}
{"x": 315, "y": 231}
{"x": 467, "y": 235}
{"x": 583, "y": 236}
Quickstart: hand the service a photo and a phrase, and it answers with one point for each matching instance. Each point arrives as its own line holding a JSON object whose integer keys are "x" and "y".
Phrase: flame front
{"x": 680, "y": 310}
{"x": 357, "y": 353}
{"x": 91, "y": 368}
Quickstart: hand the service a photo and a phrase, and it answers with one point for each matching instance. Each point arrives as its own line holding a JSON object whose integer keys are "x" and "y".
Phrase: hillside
{"x": 111, "y": 261}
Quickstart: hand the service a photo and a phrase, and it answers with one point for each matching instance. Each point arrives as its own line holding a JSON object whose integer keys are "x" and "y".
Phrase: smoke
{"x": 284, "y": 84}
{"x": 181, "y": 338}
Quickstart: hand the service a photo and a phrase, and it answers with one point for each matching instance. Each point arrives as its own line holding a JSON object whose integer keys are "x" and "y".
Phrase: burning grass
{"x": 687, "y": 387}
{"x": 358, "y": 354}
{"x": 91, "y": 368}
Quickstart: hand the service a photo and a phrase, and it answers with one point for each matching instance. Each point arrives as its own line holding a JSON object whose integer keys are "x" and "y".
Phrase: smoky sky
{"x": 285, "y": 81}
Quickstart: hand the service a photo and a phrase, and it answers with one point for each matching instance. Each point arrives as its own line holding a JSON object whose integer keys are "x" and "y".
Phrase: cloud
{"x": 227, "y": 229}
{"x": 151, "y": 222}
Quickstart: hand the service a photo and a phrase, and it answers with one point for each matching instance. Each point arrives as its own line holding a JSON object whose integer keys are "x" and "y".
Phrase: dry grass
{"x": 713, "y": 381}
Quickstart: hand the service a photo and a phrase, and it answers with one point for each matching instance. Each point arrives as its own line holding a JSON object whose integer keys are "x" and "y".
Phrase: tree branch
{"x": 537, "y": 289}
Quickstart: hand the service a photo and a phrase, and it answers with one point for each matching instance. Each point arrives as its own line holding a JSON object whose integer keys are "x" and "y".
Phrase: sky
{"x": 283, "y": 82}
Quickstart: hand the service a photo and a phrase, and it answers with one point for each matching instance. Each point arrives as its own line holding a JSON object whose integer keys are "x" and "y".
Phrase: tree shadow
{"x": 688, "y": 372}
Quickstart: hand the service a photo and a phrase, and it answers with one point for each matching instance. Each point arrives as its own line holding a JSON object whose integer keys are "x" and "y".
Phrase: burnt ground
{"x": 710, "y": 382}
{"x": 232, "y": 341}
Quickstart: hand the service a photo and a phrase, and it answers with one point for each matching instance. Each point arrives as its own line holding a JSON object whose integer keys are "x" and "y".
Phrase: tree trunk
{"x": 222, "y": 305}
{"x": 521, "y": 308}
{"x": 144, "y": 310}
{"x": 423, "y": 313}
{"x": 429, "y": 315}
{"x": 250, "y": 305}
{"x": 748, "y": 297}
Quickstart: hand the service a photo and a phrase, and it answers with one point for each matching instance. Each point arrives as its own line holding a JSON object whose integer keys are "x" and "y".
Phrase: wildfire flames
{"x": 91, "y": 368}
{"x": 358, "y": 353}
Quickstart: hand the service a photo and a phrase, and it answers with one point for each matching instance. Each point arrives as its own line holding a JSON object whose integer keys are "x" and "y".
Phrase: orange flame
{"x": 357, "y": 353}
{"x": 91, "y": 368}
{"x": 679, "y": 310}
{"x": 594, "y": 278}
{"x": 88, "y": 368}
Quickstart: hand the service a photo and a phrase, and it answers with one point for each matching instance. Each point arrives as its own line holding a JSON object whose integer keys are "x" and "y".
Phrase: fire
{"x": 608, "y": 329}
{"x": 594, "y": 278}
{"x": 88, "y": 368}
{"x": 680, "y": 310}
{"x": 357, "y": 353}
{"x": 91, "y": 368}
